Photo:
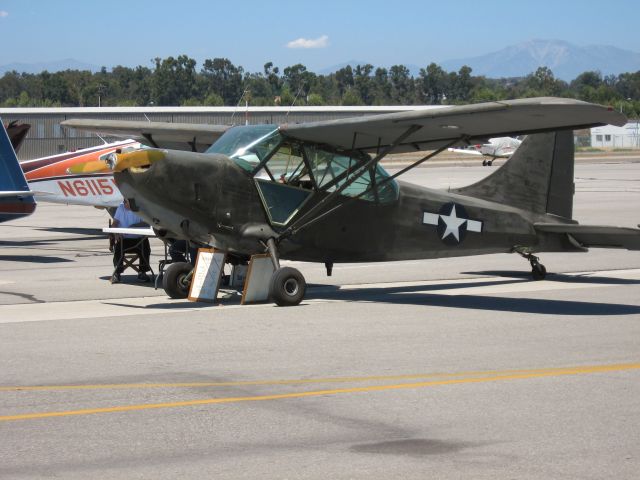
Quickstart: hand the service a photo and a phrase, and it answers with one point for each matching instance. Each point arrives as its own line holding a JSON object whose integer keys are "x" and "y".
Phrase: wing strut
{"x": 292, "y": 230}
{"x": 357, "y": 174}
{"x": 149, "y": 138}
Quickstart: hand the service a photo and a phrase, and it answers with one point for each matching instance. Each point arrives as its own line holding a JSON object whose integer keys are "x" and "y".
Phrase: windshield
{"x": 247, "y": 145}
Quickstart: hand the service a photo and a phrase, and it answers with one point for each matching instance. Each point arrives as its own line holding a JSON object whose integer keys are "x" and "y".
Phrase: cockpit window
{"x": 269, "y": 156}
{"x": 247, "y": 145}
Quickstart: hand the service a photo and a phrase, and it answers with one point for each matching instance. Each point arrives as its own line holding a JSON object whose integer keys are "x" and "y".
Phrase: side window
{"x": 330, "y": 172}
{"x": 287, "y": 164}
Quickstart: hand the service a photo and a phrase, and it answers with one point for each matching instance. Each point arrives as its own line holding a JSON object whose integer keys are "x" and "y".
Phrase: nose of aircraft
{"x": 118, "y": 162}
{"x": 136, "y": 159}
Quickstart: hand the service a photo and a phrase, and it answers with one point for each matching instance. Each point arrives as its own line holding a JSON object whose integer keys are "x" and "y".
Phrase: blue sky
{"x": 328, "y": 32}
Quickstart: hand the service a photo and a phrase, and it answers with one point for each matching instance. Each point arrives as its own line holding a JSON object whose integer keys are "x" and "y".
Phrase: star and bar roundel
{"x": 452, "y": 223}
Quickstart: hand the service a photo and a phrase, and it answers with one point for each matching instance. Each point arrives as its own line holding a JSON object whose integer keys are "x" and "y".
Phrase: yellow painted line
{"x": 378, "y": 388}
{"x": 114, "y": 386}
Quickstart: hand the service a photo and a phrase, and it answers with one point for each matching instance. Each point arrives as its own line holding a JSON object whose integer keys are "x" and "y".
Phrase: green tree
{"x": 223, "y": 78}
{"x": 433, "y": 84}
{"x": 402, "y": 85}
{"x": 173, "y": 81}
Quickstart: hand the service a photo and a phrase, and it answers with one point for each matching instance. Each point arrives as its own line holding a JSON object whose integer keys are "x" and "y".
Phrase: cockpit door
{"x": 281, "y": 201}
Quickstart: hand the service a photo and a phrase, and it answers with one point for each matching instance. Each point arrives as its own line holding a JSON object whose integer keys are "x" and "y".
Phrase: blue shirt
{"x": 126, "y": 218}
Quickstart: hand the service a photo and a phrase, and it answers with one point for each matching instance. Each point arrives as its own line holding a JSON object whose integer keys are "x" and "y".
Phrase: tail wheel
{"x": 538, "y": 271}
{"x": 177, "y": 279}
{"x": 287, "y": 287}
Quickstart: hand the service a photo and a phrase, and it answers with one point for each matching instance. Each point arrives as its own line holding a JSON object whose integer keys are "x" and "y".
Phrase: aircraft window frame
{"x": 242, "y": 141}
{"x": 284, "y": 188}
{"x": 375, "y": 175}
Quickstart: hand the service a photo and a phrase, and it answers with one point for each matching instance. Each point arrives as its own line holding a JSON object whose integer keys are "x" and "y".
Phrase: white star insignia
{"x": 453, "y": 224}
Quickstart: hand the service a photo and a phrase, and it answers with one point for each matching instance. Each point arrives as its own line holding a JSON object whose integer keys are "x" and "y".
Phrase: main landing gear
{"x": 177, "y": 279}
{"x": 287, "y": 285}
{"x": 538, "y": 271}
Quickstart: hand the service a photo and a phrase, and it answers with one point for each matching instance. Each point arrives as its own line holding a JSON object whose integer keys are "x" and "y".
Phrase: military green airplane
{"x": 316, "y": 192}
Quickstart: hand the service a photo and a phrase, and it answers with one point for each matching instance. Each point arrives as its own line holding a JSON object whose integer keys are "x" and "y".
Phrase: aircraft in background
{"x": 500, "y": 147}
{"x": 17, "y": 133}
{"x": 16, "y": 199}
{"x": 55, "y": 178}
{"x": 316, "y": 192}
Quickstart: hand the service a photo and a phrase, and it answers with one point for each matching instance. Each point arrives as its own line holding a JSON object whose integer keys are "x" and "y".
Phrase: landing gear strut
{"x": 538, "y": 271}
{"x": 287, "y": 285}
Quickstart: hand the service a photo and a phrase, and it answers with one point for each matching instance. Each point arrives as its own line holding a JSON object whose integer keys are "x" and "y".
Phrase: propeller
{"x": 118, "y": 162}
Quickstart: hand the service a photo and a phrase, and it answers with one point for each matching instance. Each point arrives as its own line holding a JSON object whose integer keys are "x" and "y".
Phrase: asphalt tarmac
{"x": 451, "y": 368}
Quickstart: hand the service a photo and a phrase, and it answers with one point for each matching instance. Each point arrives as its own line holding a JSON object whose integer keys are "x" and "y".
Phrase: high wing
{"x": 432, "y": 129}
{"x": 174, "y": 136}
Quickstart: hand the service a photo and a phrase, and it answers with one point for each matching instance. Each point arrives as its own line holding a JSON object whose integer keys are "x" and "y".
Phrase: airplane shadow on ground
{"x": 559, "y": 277}
{"x": 33, "y": 259}
{"x": 428, "y": 295}
{"x": 87, "y": 233}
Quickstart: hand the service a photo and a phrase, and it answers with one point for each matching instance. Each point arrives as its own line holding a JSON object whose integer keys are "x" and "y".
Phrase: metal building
{"x": 46, "y": 137}
{"x": 610, "y": 136}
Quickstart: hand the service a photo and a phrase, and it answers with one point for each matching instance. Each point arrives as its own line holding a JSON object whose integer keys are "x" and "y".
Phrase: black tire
{"x": 489, "y": 163}
{"x": 287, "y": 287}
{"x": 174, "y": 280}
{"x": 484, "y": 163}
{"x": 538, "y": 272}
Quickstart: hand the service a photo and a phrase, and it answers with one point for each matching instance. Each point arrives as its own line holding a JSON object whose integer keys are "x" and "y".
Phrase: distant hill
{"x": 566, "y": 60}
{"x": 54, "y": 66}
{"x": 414, "y": 69}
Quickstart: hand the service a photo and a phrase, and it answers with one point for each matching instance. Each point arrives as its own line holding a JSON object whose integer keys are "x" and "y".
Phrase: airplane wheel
{"x": 538, "y": 272}
{"x": 175, "y": 281}
{"x": 489, "y": 163}
{"x": 484, "y": 163}
{"x": 287, "y": 287}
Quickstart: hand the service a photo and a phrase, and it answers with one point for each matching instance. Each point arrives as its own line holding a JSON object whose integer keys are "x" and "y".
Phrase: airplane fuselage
{"x": 223, "y": 208}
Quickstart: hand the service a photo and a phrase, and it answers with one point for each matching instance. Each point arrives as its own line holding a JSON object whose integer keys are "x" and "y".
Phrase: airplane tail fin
{"x": 16, "y": 200}
{"x": 538, "y": 177}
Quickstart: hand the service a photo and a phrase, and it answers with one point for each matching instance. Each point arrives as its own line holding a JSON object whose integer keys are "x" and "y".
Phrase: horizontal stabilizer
{"x": 595, "y": 235}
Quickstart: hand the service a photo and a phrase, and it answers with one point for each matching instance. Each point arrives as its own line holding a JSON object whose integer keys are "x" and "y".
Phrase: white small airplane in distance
{"x": 499, "y": 147}
{"x": 58, "y": 179}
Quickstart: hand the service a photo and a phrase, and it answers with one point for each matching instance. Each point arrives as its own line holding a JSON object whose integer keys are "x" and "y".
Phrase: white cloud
{"x": 3, "y": 14}
{"x": 320, "y": 42}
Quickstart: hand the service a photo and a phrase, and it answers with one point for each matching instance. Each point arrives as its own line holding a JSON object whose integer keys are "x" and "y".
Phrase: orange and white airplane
{"x": 61, "y": 179}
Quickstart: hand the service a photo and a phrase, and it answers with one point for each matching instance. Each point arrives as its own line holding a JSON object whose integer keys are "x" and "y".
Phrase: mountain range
{"x": 53, "y": 66}
{"x": 565, "y": 60}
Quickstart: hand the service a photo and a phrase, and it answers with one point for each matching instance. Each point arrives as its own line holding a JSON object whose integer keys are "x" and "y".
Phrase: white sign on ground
{"x": 206, "y": 275}
{"x": 256, "y": 286}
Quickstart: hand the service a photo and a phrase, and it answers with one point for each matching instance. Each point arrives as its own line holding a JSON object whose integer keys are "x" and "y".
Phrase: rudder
{"x": 538, "y": 177}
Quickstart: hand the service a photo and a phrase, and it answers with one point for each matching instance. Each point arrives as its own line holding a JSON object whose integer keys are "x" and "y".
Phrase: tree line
{"x": 178, "y": 82}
